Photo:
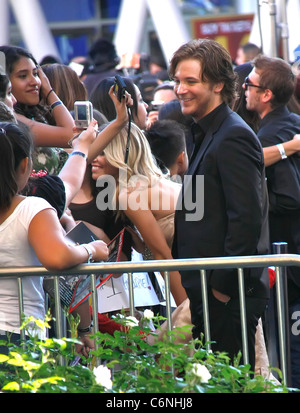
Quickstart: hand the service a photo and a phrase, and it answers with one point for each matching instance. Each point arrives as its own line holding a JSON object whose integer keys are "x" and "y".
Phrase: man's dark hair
{"x": 167, "y": 141}
{"x": 277, "y": 75}
{"x": 250, "y": 50}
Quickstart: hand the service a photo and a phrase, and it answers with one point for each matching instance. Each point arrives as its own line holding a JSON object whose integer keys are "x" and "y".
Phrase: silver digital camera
{"x": 83, "y": 113}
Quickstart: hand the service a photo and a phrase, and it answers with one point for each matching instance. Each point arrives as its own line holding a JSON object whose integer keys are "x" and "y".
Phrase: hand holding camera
{"x": 153, "y": 111}
{"x": 122, "y": 100}
{"x": 83, "y": 113}
{"x": 82, "y": 141}
{"x": 119, "y": 88}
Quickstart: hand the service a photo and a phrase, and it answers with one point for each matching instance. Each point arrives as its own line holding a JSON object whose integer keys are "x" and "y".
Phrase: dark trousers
{"x": 225, "y": 324}
{"x": 9, "y": 338}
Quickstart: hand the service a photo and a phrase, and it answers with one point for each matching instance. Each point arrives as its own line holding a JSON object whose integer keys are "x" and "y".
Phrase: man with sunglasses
{"x": 268, "y": 89}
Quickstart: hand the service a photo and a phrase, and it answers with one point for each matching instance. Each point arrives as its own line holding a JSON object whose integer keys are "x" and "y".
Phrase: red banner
{"x": 231, "y": 31}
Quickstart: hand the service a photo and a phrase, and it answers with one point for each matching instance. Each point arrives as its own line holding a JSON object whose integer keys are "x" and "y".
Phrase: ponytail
{"x": 16, "y": 144}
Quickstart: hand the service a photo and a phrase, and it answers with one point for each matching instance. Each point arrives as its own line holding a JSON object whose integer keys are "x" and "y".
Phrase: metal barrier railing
{"x": 201, "y": 264}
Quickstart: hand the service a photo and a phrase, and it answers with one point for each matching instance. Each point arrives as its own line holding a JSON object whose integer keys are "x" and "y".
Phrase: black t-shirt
{"x": 49, "y": 187}
{"x": 104, "y": 219}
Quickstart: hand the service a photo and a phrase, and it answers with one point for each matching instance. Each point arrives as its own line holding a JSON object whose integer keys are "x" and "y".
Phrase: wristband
{"x": 85, "y": 330}
{"x": 57, "y": 103}
{"x": 50, "y": 91}
{"x": 89, "y": 251}
{"x": 281, "y": 150}
{"x": 79, "y": 154}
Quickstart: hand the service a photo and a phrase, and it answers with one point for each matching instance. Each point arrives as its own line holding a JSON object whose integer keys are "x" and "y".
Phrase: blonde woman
{"x": 142, "y": 193}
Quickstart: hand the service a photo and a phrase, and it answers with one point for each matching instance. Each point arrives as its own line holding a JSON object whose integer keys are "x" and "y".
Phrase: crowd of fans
{"x": 52, "y": 173}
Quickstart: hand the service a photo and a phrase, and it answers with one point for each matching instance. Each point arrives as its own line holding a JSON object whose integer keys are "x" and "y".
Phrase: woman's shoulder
{"x": 25, "y": 210}
{"x": 36, "y": 204}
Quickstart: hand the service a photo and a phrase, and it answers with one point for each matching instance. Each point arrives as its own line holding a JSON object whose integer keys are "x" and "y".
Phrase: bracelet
{"x": 85, "y": 330}
{"x": 51, "y": 90}
{"x": 79, "y": 154}
{"x": 281, "y": 150}
{"x": 89, "y": 251}
{"x": 57, "y": 103}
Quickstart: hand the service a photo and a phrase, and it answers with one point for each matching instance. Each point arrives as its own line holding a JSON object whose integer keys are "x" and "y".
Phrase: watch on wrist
{"x": 86, "y": 329}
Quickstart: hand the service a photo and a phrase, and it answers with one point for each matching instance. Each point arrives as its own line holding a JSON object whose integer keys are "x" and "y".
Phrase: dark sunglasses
{"x": 247, "y": 83}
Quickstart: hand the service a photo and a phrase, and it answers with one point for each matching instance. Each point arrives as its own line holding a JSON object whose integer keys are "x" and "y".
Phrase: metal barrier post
{"x": 168, "y": 309}
{"x": 282, "y": 312}
{"x": 131, "y": 294}
{"x": 21, "y": 306}
{"x": 46, "y": 310}
{"x": 94, "y": 303}
{"x": 205, "y": 307}
{"x": 243, "y": 315}
{"x": 58, "y": 318}
{"x": 95, "y": 312}
{"x": 168, "y": 299}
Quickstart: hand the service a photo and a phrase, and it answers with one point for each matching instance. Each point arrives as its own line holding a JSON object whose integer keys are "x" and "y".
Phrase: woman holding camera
{"x": 102, "y": 102}
{"x": 143, "y": 194}
{"x": 39, "y": 107}
{"x": 24, "y": 221}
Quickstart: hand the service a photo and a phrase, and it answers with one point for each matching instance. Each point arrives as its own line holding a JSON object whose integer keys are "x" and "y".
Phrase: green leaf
{"x": 12, "y": 386}
{"x": 3, "y": 358}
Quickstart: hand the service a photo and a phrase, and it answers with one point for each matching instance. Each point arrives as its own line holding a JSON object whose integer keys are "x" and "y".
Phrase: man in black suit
{"x": 234, "y": 221}
{"x": 269, "y": 87}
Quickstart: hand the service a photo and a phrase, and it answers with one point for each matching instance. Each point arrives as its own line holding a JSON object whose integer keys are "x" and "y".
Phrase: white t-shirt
{"x": 15, "y": 251}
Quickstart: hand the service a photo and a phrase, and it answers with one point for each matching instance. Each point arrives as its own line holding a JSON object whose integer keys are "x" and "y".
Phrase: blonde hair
{"x": 141, "y": 163}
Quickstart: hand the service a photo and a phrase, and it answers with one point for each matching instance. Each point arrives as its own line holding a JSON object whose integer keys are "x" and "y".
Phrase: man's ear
{"x": 267, "y": 95}
{"x": 180, "y": 158}
{"x": 218, "y": 87}
{"x": 182, "y": 163}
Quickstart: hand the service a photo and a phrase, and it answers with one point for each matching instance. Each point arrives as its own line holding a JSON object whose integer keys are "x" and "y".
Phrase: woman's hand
{"x": 121, "y": 107}
{"x": 152, "y": 117}
{"x": 84, "y": 138}
{"x": 100, "y": 250}
{"x": 87, "y": 345}
{"x": 45, "y": 83}
{"x": 112, "y": 128}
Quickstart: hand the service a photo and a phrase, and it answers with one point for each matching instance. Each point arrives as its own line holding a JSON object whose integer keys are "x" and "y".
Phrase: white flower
{"x": 148, "y": 314}
{"x": 41, "y": 158}
{"x": 129, "y": 320}
{"x": 103, "y": 376}
{"x": 201, "y": 371}
{"x": 132, "y": 321}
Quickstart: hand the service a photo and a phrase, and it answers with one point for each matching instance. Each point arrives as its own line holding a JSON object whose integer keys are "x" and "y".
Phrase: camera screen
{"x": 82, "y": 112}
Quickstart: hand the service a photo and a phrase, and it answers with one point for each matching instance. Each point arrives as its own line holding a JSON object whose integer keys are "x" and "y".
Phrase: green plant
{"x": 129, "y": 364}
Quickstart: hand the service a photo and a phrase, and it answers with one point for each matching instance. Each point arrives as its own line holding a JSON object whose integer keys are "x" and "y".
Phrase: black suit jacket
{"x": 283, "y": 179}
{"x": 235, "y": 213}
